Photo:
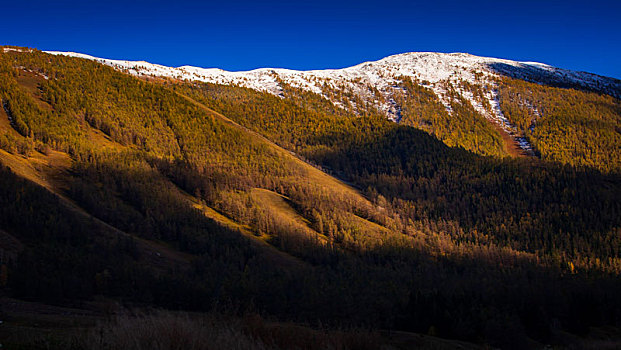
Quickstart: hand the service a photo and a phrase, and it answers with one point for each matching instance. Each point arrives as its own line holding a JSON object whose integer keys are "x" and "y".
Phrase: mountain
{"x": 121, "y": 191}
{"x": 429, "y": 68}
{"x": 465, "y": 94}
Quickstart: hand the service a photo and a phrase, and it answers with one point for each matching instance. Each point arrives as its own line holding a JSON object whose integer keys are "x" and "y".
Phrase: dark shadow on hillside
{"x": 477, "y": 293}
{"x": 498, "y": 198}
{"x": 560, "y": 78}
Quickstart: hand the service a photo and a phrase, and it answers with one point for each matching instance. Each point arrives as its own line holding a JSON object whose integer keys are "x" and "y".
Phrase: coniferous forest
{"x": 149, "y": 193}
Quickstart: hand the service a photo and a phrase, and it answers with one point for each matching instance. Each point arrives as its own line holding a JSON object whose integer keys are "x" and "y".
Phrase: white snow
{"x": 430, "y": 69}
{"x": 9, "y": 49}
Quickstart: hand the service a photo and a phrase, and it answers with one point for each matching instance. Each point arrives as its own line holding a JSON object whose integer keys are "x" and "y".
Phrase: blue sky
{"x": 240, "y": 35}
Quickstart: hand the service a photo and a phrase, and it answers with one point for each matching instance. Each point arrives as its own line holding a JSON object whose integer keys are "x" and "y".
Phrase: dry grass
{"x": 271, "y": 253}
{"x": 24, "y": 168}
{"x": 30, "y": 325}
{"x": 57, "y": 328}
{"x": 102, "y": 141}
{"x": 30, "y": 81}
{"x": 310, "y": 173}
{"x": 278, "y": 208}
{"x": 166, "y": 331}
{"x": 181, "y": 331}
{"x": 371, "y": 232}
{"x": 511, "y": 144}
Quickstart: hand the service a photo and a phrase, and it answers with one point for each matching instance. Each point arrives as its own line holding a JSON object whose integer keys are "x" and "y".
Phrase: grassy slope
{"x": 309, "y": 172}
{"x": 53, "y": 171}
{"x": 277, "y": 208}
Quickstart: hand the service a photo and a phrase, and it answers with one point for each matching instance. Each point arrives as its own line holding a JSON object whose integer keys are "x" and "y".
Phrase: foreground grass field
{"x": 104, "y": 325}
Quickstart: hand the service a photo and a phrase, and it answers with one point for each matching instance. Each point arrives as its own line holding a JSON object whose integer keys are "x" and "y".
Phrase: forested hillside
{"x": 478, "y": 103}
{"x": 192, "y": 195}
{"x": 569, "y": 126}
{"x": 510, "y": 202}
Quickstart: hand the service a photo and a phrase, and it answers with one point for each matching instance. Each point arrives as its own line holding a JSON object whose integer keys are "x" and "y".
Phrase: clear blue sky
{"x": 239, "y": 35}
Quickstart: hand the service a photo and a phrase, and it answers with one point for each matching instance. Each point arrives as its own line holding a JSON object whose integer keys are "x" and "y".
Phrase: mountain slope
{"x": 455, "y": 97}
{"x": 428, "y": 67}
{"x": 423, "y": 237}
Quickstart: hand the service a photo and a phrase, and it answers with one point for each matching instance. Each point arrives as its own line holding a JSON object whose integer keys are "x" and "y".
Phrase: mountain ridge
{"x": 465, "y": 54}
{"x": 379, "y": 84}
{"x": 193, "y": 72}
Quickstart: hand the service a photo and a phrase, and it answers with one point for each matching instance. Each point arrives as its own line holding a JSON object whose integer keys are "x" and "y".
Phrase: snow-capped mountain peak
{"x": 431, "y": 67}
{"x": 437, "y": 71}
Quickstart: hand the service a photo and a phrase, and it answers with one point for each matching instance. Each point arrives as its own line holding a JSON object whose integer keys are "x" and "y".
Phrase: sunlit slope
{"x": 108, "y": 125}
{"x": 568, "y": 126}
{"x": 453, "y": 96}
{"x": 513, "y": 202}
